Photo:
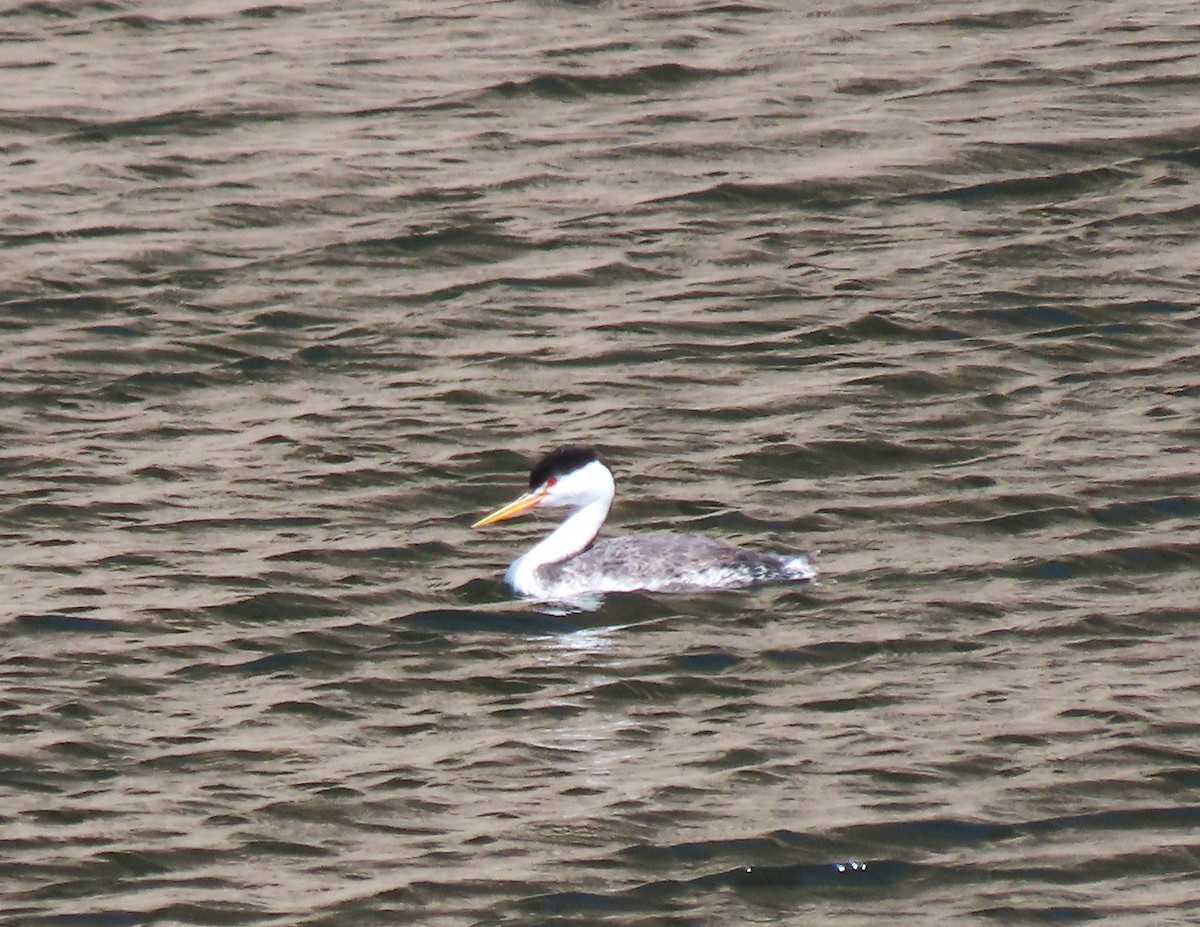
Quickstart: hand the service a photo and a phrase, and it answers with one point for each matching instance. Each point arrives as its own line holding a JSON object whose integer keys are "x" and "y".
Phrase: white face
{"x": 587, "y": 484}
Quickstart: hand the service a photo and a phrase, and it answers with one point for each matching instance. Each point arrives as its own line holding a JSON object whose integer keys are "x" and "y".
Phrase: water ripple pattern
{"x": 293, "y": 293}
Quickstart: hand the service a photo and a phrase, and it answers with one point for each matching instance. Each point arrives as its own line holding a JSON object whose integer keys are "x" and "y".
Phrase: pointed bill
{"x": 513, "y": 509}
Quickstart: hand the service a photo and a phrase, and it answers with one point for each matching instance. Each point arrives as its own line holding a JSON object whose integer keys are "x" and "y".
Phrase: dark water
{"x": 292, "y": 293}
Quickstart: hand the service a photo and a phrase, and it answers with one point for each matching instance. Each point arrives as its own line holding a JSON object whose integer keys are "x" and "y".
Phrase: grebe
{"x": 570, "y": 562}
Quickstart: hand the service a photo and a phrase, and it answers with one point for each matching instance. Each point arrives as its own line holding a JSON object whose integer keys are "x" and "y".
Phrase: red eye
{"x": 550, "y": 482}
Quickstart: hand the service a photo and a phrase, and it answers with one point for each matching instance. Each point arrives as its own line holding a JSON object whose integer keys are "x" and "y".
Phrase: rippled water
{"x": 294, "y": 293}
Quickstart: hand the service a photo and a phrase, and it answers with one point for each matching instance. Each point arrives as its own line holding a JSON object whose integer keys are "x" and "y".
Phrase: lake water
{"x": 293, "y": 293}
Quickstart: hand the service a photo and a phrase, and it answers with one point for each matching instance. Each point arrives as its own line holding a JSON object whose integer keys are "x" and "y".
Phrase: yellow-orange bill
{"x": 513, "y": 509}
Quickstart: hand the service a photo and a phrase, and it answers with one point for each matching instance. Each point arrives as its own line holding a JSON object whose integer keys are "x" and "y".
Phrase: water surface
{"x": 295, "y": 292}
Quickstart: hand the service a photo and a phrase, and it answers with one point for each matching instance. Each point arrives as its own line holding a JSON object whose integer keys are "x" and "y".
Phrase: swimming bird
{"x": 570, "y": 562}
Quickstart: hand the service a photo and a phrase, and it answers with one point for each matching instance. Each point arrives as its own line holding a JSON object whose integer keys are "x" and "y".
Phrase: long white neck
{"x": 569, "y": 539}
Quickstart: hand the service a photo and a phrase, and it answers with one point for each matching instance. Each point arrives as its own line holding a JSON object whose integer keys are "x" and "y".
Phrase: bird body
{"x": 570, "y": 562}
{"x": 635, "y": 562}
